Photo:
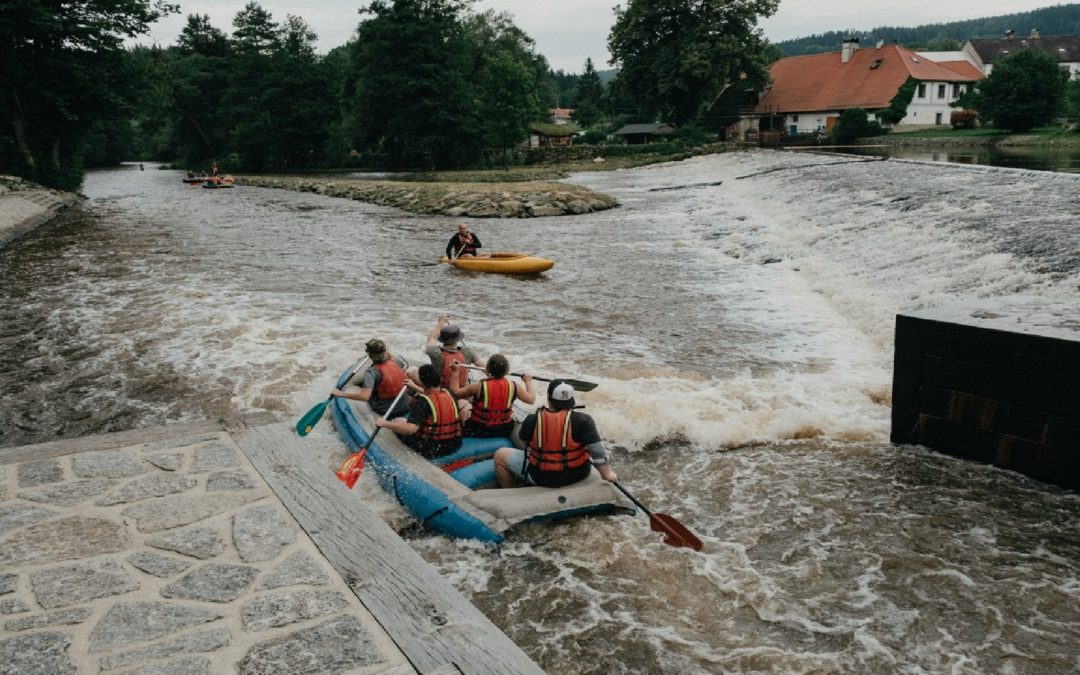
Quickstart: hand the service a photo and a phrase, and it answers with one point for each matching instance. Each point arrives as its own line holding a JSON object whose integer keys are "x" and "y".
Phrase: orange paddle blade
{"x": 351, "y": 468}
{"x": 675, "y": 532}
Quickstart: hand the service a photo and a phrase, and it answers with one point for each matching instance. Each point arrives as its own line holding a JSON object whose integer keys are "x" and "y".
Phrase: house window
{"x": 794, "y": 118}
{"x": 941, "y": 91}
{"x": 922, "y": 91}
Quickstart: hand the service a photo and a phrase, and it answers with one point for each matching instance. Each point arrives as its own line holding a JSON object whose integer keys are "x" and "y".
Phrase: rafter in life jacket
{"x": 495, "y": 404}
{"x": 553, "y": 447}
{"x": 442, "y": 423}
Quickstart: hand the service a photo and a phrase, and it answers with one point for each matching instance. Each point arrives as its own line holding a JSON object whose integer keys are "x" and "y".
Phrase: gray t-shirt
{"x": 372, "y": 378}
{"x": 435, "y": 352}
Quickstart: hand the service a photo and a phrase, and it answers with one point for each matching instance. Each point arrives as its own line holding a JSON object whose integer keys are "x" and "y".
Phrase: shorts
{"x": 476, "y": 430}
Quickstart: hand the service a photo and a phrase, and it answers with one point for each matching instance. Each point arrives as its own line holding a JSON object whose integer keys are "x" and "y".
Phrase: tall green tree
{"x": 1024, "y": 90}
{"x": 413, "y": 91}
{"x": 676, "y": 56}
{"x": 1072, "y": 100}
{"x": 63, "y": 70}
{"x": 589, "y": 98}
{"x": 200, "y": 83}
{"x": 508, "y": 102}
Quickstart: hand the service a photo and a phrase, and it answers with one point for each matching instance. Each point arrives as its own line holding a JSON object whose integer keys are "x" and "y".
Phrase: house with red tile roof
{"x": 562, "y": 115}
{"x": 808, "y": 93}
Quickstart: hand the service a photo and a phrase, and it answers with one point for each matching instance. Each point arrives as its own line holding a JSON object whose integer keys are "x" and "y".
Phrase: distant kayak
{"x": 503, "y": 263}
{"x": 214, "y": 183}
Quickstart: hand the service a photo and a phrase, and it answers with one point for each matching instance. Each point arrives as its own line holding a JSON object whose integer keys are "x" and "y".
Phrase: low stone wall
{"x": 473, "y": 200}
{"x": 958, "y": 142}
{"x": 25, "y": 205}
{"x": 994, "y": 383}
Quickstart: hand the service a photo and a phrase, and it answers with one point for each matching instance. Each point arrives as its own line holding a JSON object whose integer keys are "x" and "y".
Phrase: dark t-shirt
{"x": 582, "y": 429}
{"x": 453, "y": 247}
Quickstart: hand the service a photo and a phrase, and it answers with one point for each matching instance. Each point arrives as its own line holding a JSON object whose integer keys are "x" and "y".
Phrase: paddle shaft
{"x": 312, "y": 417}
{"x": 385, "y": 417}
{"x": 579, "y": 385}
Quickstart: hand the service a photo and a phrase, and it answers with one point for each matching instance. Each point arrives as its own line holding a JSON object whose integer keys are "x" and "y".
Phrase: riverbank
{"x": 951, "y": 138}
{"x": 529, "y": 199}
{"x": 25, "y": 206}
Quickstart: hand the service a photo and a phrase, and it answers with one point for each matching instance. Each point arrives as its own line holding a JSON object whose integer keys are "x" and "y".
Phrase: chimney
{"x": 1034, "y": 34}
{"x": 1009, "y": 34}
{"x": 848, "y": 48}
{"x": 880, "y": 43}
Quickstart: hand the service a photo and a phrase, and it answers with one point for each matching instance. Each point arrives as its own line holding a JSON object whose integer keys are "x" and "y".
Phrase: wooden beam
{"x": 435, "y": 626}
{"x": 120, "y": 439}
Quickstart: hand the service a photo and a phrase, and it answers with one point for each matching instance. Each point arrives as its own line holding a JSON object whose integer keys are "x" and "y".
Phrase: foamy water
{"x": 741, "y": 334}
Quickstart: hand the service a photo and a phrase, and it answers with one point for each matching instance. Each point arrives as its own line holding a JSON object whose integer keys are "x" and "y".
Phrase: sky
{"x": 569, "y": 31}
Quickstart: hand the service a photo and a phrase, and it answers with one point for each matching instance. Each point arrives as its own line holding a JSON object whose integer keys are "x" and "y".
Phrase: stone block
{"x": 77, "y": 583}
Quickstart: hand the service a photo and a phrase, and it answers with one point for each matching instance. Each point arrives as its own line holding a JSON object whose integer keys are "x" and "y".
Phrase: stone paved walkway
{"x": 170, "y": 556}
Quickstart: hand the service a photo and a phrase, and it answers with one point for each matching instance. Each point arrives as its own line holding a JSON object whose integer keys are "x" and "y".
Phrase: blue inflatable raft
{"x": 457, "y": 495}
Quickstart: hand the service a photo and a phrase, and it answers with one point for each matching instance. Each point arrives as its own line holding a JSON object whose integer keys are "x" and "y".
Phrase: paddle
{"x": 675, "y": 532}
{"x": 578, "y": 385}
{"x": 312, "y": 417}
{"x": 353, "y": 465}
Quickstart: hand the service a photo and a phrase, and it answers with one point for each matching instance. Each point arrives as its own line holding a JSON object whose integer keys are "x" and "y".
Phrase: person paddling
{"x": 432, "y": 427}
{"x": 492, "y": 409}
{"x": 444, "y": 349}
{"x": 382, "y": 381}
{"x": 463, "y": 244}
{"x": 562, "y": 446}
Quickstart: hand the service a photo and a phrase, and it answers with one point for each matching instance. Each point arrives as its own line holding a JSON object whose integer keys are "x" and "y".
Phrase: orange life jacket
{"x": 449, "y": 375}
{"x": 442, "y": 423}
{"x": 393, "y": 379}
{"x": 495, "y": 404}
{"x": 552, "y": 447}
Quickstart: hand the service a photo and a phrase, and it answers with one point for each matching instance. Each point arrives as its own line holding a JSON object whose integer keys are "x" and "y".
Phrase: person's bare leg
{"x": 503, "y": 474}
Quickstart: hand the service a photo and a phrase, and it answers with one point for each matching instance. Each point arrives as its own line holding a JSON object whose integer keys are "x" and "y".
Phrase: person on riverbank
{"x": 432, "y": 426}
{"x": 491, "y": 412}
{"x": 444, "y": 349}
{"x": 561, "y": 446}
{"x": 463, "y": 244}
{"x": 382, "y": 381}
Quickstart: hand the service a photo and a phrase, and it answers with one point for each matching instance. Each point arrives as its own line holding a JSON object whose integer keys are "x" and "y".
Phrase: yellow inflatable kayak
{"x": 503, "y": 263}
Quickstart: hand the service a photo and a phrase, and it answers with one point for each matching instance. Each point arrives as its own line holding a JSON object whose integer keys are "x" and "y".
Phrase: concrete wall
{"x": 996, "y": 383}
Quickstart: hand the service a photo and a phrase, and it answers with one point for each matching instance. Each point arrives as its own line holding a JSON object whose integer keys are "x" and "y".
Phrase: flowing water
{"x": 737, "y": 311}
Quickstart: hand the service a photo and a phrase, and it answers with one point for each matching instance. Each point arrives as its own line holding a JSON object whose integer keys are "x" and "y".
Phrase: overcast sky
{"x": 569, "y": 31}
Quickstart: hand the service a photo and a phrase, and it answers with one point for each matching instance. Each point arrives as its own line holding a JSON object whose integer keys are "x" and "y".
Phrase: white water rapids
{"x": 737, "y": 311}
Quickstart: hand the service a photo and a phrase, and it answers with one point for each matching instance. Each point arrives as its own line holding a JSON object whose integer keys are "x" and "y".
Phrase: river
{"x": 737, "y": 311}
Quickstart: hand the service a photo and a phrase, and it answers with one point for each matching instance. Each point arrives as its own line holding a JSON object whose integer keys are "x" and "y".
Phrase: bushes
{"x": 963, "y": 119}
{"x": 854, "y": 123}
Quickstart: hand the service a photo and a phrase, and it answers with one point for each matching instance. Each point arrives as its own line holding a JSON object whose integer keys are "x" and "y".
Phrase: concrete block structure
{"x": 992, "y": 382}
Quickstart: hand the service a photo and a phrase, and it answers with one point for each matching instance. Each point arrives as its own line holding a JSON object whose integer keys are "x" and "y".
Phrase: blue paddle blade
{"x": 310, "y": 419}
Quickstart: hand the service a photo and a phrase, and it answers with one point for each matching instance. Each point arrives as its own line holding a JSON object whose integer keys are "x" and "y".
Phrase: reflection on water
{"x": 1036, "y": 158}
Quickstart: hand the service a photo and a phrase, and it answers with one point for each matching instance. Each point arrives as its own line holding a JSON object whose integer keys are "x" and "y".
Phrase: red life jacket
{"x": 552, "y": 447}
{"x": 442, "y": 423}
{"x": 392, "y": 380}
{"x": 495, "y": 404}
{"x": 449, "y": 375}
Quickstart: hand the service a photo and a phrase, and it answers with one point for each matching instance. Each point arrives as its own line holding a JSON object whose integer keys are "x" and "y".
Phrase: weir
{"x": 996, "y": 382}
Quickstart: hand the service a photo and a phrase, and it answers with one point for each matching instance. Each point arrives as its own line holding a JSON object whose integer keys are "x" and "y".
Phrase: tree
{"x": 199, "y": 37}
{"x": 415, "y": 104}
{"x": 897, "y": 109}
{"x": 1072, "y": 100}
{"x": 589, "y": 99}
{"x": 1025, "y": 90}
{"x": 62, "y": 70}
{"x": 676, "y": 57}
{"x": 507, "y": 103}
{"x": 255, "y": 32}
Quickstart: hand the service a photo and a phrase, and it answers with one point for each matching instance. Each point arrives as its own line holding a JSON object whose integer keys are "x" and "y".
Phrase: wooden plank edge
{"x": 120, "y": 439}
{"x": 430, "y": 621}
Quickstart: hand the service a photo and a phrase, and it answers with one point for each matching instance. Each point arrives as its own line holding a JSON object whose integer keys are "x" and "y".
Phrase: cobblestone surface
{"x": 169, "y": 557}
